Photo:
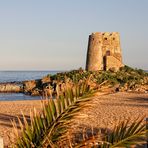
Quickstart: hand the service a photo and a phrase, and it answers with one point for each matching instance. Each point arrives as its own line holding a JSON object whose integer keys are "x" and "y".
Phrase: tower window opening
{"x": 108, "y": 53}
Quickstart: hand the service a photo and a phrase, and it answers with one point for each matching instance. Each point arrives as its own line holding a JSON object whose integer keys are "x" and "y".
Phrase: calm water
{"x": 17, "y": 96}
{"x": 11, "y": 76}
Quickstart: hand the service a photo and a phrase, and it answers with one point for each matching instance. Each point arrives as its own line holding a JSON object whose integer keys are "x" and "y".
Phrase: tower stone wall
{"x": 104, "y": 51}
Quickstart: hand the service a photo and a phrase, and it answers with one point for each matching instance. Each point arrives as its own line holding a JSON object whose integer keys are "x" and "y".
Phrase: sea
{"x": 17, "y": 76}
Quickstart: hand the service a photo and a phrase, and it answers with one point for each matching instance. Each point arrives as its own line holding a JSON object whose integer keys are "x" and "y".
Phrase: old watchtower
{"x": 104, "y": 51}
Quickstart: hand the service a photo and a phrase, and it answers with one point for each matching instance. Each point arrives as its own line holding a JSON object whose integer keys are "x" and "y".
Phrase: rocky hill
{"x": 126, "y": 79}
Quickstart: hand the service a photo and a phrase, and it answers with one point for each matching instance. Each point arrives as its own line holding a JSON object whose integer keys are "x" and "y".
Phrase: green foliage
{"x": 49, "y": 126}
{"x": 125, "y": 134}
{"x": 126, "y": 74}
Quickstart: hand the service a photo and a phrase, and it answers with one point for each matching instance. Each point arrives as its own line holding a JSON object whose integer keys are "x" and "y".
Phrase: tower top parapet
{"x": 105, "y": 33}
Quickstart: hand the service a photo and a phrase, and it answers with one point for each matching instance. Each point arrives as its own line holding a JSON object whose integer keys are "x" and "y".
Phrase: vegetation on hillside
{"x": 126, "y": 79}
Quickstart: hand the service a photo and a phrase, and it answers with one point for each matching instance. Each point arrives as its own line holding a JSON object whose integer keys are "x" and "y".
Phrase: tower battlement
{"x": 104, "y": 51}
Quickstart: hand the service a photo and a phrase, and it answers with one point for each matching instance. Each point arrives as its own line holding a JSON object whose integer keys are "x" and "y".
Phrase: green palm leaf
{"x": 47, "y": 127}
{"x": 123, "y": 135}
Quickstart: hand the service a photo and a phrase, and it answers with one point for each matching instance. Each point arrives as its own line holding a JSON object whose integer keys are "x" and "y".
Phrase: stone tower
{"x": 104, "y": 51}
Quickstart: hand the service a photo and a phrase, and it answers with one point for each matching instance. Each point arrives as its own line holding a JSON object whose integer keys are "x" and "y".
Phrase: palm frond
{"x": 124, "y": 134}
{"x": 127, "y": 134}
{"x": 50, "y": 125}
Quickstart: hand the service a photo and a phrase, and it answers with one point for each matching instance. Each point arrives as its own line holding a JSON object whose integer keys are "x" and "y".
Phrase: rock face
{"x": 36, "y": 87}
{"x": 29, "y": 85}
{"x": 104, "y": 51}
{"x": 45, "y": 79}
{"x": 10, "y": 87}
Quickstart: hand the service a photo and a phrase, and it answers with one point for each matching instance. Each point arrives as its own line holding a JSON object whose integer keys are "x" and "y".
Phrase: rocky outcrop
{"x": 142, "y": 88}
{"x": 114, "y": 82}
{"x": 10, "y": 87}
{"x": 36, "y": 87}
{"x": 45, "y": 80}
{"x": 36, "y": 92}
{"x": 134, "y": 88}
{"x": 29, "y": 85}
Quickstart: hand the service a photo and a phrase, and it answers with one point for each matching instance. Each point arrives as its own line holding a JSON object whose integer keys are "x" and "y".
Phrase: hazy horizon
{"x": 53, "y": 35}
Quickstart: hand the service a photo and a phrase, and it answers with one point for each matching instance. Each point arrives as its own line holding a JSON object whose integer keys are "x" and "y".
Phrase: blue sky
{"x": 53, "y": 34}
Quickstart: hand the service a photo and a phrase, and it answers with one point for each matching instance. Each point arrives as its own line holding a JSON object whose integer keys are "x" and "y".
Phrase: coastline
{"x": 12, "y": 81}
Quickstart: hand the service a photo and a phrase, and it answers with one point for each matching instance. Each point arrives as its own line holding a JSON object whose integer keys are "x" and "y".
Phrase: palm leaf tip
{"x": 126, "y": 134}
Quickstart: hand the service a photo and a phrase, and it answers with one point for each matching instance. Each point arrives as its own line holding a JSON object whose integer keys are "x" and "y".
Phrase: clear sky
{"x": 53, "y": 34}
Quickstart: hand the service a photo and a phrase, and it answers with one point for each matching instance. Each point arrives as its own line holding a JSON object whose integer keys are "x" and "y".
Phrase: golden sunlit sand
{"x": 105, "y": 111}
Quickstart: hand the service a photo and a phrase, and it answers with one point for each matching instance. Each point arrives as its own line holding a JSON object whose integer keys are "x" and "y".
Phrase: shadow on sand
{"x": 6, "y": 120}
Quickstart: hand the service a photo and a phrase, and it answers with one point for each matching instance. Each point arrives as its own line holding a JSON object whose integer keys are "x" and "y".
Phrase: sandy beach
{"x": 9, "y": 110}
{"x": 105, "y": 111}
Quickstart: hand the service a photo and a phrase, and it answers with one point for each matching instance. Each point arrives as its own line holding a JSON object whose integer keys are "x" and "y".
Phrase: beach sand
{"x": 9, "y": 110}
{"x": 105, "y": 111}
